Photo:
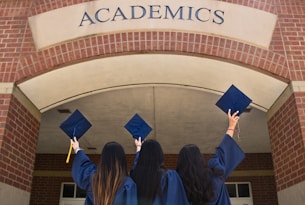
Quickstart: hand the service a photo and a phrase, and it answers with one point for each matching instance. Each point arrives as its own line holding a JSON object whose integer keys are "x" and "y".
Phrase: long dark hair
{"x": 148, "y": 172}
{"x": 110, "y": 174}
{"x": 195, "y": 175}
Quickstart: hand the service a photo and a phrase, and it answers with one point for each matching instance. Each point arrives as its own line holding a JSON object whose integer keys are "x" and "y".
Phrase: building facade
{"x": 27, "y": 53}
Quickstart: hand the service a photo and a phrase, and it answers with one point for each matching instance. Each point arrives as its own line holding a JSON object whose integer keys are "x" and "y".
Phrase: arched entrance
{"x": 176, "y": 94}
{"x": 174, "y": 70}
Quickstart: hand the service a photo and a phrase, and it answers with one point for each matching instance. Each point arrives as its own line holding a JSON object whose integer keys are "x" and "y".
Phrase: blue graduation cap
{"x": 233, "y": 99}
{"x": 75, "y": 126}
{"x": 137, "y": 127}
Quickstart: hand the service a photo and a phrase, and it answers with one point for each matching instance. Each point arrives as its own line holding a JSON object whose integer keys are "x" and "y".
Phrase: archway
{"x": 176, "y": 94}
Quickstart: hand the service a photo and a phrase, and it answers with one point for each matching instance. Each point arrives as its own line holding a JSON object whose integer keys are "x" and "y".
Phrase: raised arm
{"x": 138, "y": 144}
{"x": 228, "y": 154}
{"x": 82, "y": 167}
{"x": 233, "y": 120}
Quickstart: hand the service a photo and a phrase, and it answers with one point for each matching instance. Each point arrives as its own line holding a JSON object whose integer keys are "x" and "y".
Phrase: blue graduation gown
{"x": 174, "y": 193}
{"x": 172, "y": 188}
{"x": 227, "y": 157}
{"x": 82, "y": 172}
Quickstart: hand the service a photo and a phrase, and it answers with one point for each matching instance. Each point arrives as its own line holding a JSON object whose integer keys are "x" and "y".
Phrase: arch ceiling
{"x": 175, "y": 94}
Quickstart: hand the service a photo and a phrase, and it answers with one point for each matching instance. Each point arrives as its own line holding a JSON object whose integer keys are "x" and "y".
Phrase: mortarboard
{"x": 137, "y": 127}
{"x": 75, "y": 126}
{"x": 233, "y": 99}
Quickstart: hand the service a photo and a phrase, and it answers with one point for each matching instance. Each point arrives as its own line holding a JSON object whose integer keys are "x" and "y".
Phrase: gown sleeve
{"x": 83, "y": 170}
{"x": 227, "y": 157}
{"x": 127, "y": 194}
{"x": 173, "y": 189}
{"x": 135, "y": 162}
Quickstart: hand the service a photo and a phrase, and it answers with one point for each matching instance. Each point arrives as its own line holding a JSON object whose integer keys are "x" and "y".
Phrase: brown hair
{"x": 110, "y": 174}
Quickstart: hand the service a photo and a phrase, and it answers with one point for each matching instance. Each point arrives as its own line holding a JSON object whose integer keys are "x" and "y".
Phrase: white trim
{"x": 294, "y": 195}
{"x": 75, "y": 81}
{"x": 10, "y": 88}
{"x": 11, "y": 195}
{"x": 293, "y": 87}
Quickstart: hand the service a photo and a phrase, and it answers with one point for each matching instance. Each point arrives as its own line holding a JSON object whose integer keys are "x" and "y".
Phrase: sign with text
{"x": 208, "y": 17}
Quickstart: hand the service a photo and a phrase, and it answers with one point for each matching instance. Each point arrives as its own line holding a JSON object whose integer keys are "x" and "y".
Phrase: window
{"x": 71, "y": 190}
{"x": 239, "y": 190}
{"x": 231, "y": 190}
{"x": 243, "y": 190}
{"x": 240, "y": 193}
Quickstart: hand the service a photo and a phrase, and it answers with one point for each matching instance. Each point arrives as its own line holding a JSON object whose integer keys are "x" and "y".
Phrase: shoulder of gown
{"x": 127, "y": 194}
{"x": 173, "y": 189}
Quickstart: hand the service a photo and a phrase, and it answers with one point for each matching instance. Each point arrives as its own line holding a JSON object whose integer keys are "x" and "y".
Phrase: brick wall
{"x": 287, "y": 133}
{"x": 46, "y": 189}
{"x": 291, "y": 26}
{"x": 20, "y": 61}
{"x": 32, "y": 62}
{"x": 18, "y": 137}
{"x": 14, "y": 38}
{"x": 263, "y": 188}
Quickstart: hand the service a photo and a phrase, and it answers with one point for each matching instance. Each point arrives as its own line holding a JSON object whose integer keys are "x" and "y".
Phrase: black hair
{"x": 148, "y": 172}
{"x": 195, "y": 175}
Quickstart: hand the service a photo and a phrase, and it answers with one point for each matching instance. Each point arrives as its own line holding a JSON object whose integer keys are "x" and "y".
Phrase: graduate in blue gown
{"x": 195, "y": 175}
{"x": 227, "y": 157}
{"x": 107, "y": 183}
{"x": 156, "y": 185}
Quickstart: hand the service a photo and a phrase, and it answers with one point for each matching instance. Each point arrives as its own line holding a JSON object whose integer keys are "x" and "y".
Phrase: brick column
{"x": 287, "y": 137}
{"x": 19, "y": 129}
